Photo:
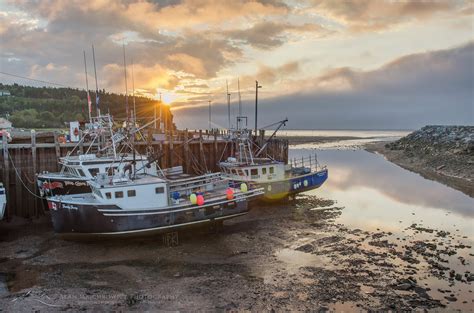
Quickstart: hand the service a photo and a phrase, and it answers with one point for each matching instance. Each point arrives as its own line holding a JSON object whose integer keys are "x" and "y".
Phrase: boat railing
{"x": 311, "y": 162}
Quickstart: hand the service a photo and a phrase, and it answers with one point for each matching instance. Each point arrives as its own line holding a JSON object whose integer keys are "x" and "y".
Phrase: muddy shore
{"x": 292, "y": 256}
{"x": 452, "y": 171}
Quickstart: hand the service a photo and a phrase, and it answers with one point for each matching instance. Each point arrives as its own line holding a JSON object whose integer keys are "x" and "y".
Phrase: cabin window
{"x": 81, "y": 172}
{"x": 111, "y": 170}
{"x": 108, "y": 195}
{"x": 234, "y": 172}
{"x": 246, "y": 172}
{"x": 241, "y": 173}
{"x": 264, "y": 170}
{"x": 160, "y": 190}
{"x": 131, "y": 193}
{"x": 272, "y": 170}
{"x": 254, "y": 172}
{"x": 94, "y": 171}
{"x": 119, "y": 194}
{"x": 2, "y": 192}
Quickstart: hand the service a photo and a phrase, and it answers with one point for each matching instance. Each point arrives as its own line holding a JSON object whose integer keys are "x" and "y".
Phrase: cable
{"x": 21, "y": 180}
{"x": 32, "y": 79}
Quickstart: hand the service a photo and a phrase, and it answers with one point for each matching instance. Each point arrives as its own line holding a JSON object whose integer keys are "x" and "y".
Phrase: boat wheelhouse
{"x": 108, "y": 153}
{"x": 119, "y": 205}
{"x": 3, "y": 201}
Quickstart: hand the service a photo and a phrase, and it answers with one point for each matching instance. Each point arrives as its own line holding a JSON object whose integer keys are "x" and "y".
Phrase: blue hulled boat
{"x": 278, "y": 179}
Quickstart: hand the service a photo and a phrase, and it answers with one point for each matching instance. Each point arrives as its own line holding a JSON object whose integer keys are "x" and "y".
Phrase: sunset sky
{"x": 322, "y": 63}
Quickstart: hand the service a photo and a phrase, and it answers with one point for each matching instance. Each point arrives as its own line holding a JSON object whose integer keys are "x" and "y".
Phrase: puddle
{"x": 296, "y": 259}
{"x": 5, "y": 278}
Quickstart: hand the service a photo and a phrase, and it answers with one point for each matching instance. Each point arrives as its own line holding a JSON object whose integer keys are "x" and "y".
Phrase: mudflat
{"x": 288, "y": 256}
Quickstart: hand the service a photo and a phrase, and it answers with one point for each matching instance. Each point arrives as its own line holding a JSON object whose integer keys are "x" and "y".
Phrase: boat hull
{"x": 282, "y": 189}
{"x": 102, "y": 220}
{"x": 58, "y": 186}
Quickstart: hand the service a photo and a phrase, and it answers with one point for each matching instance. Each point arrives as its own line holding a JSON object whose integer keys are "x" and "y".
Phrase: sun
{"x": 167, "y": 97}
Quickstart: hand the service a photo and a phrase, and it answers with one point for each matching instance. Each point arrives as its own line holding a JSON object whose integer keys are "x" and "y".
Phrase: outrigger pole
{"x": 87, "y": 88}
{"x": 282, "y": 123}
{"x": 96, "y": 85}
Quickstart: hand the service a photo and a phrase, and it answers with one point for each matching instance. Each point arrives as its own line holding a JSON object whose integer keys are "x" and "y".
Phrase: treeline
{"x": 47, "y": 107}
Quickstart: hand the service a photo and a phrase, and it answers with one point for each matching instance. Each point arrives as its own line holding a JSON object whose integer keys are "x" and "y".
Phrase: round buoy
{"x": 200, "y": 200}
{"x": 176, "y": 195}
{"x": 243, "y": 187}
{"x": 305, "y": 183}
{"x": 230, "y": 193}
{"x": 193, "y": 198}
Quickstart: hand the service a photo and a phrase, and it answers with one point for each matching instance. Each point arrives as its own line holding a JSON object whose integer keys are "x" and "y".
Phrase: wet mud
{"x": 289, "y": 256}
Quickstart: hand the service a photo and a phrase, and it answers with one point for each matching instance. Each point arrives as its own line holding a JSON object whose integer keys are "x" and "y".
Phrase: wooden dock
{"x": 21, "y": 161}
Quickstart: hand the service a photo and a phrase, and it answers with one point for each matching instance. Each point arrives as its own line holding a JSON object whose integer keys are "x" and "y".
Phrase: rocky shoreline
{"x": 441, "y": 153}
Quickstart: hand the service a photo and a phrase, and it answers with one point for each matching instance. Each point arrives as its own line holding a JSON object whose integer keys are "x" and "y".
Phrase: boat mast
{"x": 96, "y": 85}
{"x": 133, "y": 93}
{"x": 240, "y": 105}
{"x": 257, "y": 86}
{"x": 210, "y": 115}
{"x": 89, "y": 107}
{"x": 228, "y": 103}
{"x": 126, "y": 89}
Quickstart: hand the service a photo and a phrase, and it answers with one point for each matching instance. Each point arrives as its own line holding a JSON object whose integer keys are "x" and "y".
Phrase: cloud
{"x": 270, "y": 34}
{"x": 435, "y": 87}
{"x": 370, "y": 15}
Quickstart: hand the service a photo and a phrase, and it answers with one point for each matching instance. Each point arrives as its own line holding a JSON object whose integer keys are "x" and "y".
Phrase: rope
{"x": 21, "y": 180}
{"x": 35, "y": 80}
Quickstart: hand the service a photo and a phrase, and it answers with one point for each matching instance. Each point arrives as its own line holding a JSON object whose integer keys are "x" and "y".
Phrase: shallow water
{"x": 345, "y": 133}
{"x": 378, "y": 195}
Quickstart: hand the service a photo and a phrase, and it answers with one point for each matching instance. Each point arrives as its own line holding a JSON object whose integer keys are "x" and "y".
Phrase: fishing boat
{"x": 278, "y": 179}
{"x": 108, "y": 152}
{"x": 3, "y": 200}
{"x": 120, "y": 206}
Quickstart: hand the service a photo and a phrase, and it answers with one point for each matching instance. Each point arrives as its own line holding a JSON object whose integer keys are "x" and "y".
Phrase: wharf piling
{"x": 197, "y": 151}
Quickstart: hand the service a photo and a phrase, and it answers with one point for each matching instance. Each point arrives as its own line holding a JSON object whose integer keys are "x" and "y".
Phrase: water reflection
{"x": 376, "y": 192}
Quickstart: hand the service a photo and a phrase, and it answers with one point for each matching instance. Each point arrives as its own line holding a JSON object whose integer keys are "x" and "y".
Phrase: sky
{"x": 323, "y": 64}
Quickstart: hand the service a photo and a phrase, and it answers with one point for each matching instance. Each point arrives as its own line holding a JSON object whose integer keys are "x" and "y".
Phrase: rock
{"x": 451, "y": 298}
{"x": 404, "y": 286}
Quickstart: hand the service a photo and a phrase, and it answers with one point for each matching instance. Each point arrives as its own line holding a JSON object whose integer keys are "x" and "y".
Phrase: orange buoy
{"x": 200, "y": 200}
{"x": 230, "y": 193}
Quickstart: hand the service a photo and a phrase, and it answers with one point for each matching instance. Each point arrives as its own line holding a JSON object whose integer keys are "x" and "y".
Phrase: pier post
{"x": 187, "y": 157}
{"x": 201, "y": 151}
{"x": 57, "y": 148}
{"x": 171, "y": 157}
{"x": 81, "y": 143}
{"x": 35, "y": 170}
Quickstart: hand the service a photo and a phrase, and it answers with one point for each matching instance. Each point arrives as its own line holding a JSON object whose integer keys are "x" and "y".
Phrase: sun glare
{"x": 167, "y": 97}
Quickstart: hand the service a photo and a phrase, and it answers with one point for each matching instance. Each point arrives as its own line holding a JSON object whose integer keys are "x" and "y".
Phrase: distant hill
{"x": 48, "y": 107}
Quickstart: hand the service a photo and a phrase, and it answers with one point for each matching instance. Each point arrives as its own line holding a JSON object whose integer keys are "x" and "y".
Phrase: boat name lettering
{"x": 69, "y": 206}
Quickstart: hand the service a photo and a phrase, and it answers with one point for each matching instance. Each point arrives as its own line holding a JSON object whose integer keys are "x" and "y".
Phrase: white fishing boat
{"x": 120, "y": 205}
{"x": 3, "y": 200}
{"x": 108, "y": 153}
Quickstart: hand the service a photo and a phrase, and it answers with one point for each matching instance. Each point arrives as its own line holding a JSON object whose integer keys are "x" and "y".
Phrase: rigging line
{"x": 21, "y": 180}
{"x": 33, "y": 79}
